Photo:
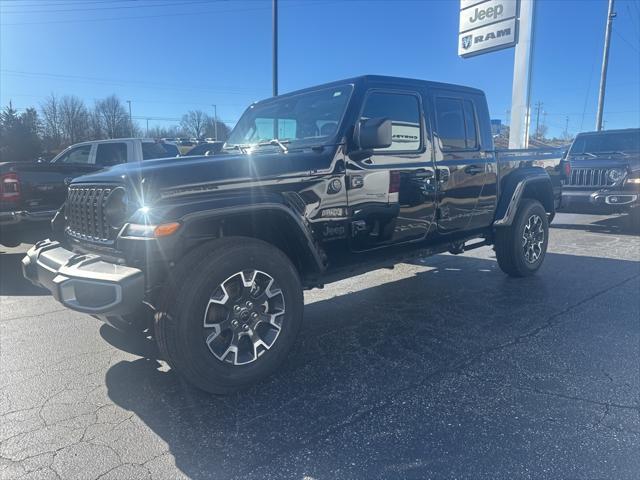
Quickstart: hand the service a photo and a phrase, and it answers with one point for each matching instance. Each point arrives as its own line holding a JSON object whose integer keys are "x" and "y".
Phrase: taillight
{"x": 394, "y": 182}
{"x": 567, "y": 169}
{"x": 9, "y": 187}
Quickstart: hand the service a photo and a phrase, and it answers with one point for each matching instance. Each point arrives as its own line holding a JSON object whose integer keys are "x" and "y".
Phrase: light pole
{"x": 275, "y": 48}
{"x": 215, "y": 122}
{"x": 130, "y": 119}
{"x": 605, "y": 65}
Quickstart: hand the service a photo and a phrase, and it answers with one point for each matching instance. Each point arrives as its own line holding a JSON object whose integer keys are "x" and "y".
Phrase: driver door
{"x": 391, "y": 193}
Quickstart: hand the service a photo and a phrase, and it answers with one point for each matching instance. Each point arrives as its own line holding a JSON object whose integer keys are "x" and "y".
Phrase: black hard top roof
{"x": 382, "y": 79}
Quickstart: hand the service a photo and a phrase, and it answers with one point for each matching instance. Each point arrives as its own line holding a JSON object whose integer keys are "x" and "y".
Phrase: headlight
{"x": 115, "y": 208}
{"x": 151, "y": 231}
{"x": 615, "y": 175}
{"x": 633, "y": 181}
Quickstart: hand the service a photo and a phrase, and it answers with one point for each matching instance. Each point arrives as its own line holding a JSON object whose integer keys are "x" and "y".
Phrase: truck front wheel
{"x": 522, "y": 246}
{"x": 232, "y": 313}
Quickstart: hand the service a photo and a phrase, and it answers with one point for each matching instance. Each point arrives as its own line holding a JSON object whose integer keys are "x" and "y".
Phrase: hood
{"x": 628, "y": 162}
{"x": 161, "y": 174}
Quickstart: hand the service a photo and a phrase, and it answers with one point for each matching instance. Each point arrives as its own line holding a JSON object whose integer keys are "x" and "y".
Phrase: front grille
{"x": 590, "y": 177}
{"x": 86, "y": 214}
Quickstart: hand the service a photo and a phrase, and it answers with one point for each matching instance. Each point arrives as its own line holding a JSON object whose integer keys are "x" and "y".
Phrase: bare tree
{"x": 73, "y": 119}
{"x": 96, "y": 130}
{"x": 52, "y": 121}
{"x": 113, "y": 117}
{"x": 195, "y": 122}
{"x": 222, "y": 130}
{"x": 173, "y": 131}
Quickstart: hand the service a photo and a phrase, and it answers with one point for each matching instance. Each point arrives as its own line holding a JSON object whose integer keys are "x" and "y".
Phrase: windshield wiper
{"x": 244, "y": 148}
{"x": 589, "y": 154}
{"x": 237, "y": 146}
{"x": 616, "y": 152}
{"x": 277, "y": 143}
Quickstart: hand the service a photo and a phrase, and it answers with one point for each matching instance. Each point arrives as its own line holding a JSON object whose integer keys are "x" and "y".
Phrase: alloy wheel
{"x": 243, "y": 318}
{"x": 533, "y": 239}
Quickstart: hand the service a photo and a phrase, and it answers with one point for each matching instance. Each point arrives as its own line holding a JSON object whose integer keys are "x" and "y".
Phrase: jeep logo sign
{"x": 486, "y": 25}
{"x": 485, "y": 13}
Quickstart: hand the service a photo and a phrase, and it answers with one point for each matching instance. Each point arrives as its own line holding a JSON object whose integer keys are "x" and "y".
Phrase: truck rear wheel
{"x": 232, "y": 314}
{"x": 522, "y": 246}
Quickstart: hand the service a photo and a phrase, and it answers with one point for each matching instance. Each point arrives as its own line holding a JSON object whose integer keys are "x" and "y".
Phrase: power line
{"x": 72, "y": 10}
{"x": 23, "y": 3}
{"x": 178, "y": 14}
{"x": 538, "y": 108}
{"x": 107, "y": 81}
{"x": 626, "y": 41}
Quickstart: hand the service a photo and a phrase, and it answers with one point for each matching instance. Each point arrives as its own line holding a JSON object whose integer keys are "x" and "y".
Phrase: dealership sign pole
{"x": 490, "y": 25}
{"x": 521, "y": 89}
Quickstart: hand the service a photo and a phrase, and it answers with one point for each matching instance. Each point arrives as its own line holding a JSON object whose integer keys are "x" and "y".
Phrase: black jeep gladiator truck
{"x": 602, "y": 169}
{"x": 311, "y": 187}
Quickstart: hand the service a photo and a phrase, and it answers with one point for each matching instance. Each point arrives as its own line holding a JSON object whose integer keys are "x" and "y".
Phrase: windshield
{"x": 308, "y": 117}
{"x": 620, "y": 142}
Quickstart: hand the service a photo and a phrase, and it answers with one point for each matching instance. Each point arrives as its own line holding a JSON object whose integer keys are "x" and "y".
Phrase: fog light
{"x": 89, "y": 295}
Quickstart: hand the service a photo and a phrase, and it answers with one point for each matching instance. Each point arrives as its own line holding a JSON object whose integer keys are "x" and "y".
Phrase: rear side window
{"x": 109, "y": 154}
{"x": 151, "y": 150}
{"x": 456, "y": 123}
{"x": 172, "y": 150}
{"x": 76, "y": 155}
{"x": 404, "y": 112}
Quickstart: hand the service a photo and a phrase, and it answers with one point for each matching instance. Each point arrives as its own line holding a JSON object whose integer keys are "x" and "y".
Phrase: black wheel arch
{"x": 273, "y": 223}
{"x": 532, "y": 182}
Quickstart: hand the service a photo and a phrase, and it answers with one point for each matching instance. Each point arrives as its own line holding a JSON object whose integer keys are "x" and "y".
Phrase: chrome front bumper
{"x": 13, "y": 218}
{"x": 84, "y": 282}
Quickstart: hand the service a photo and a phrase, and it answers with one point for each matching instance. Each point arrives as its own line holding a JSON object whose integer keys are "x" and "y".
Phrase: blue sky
{"x": 170, "y": 56}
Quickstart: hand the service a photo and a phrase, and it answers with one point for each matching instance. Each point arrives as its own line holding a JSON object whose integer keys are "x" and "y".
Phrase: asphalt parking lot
{"x": 445, "y": 368}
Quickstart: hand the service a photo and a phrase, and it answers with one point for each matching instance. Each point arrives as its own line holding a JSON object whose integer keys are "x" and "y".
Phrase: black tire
{"x": 9, "y": 241}
{"x": 179, "y": 325}
{"x": 633, "y": 219}
{"x": 512, "y": 257}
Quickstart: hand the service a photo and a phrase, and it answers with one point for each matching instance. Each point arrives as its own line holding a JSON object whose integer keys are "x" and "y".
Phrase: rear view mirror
{"x": 373, "y": 133}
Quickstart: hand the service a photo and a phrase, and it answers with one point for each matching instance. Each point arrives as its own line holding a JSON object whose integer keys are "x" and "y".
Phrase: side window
{"x": 404, "y": 112}
{"x": 456, "y": 124}
{"x": 109, "y": 154}
{"x": 470, "y": 125}
{"x": 76, "y": 155}
{"x": 151, "y": 150}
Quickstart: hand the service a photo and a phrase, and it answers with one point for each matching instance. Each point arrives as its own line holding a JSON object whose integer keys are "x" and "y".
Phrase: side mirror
{"x": 373, "y": 133}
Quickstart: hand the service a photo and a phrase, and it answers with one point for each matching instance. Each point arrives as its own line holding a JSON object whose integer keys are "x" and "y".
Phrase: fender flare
{"x": 303, "y": 231}
{"x": 513, "y": 190}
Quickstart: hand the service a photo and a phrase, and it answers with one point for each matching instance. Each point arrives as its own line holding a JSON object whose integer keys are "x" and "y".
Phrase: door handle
{"x": 474, "y": 169}
{"x": 424, "y": 174}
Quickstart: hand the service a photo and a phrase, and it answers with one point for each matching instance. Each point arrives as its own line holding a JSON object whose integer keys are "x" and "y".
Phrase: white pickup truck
{"x": 32, "y": 192}
{"x": 106, "y": 153}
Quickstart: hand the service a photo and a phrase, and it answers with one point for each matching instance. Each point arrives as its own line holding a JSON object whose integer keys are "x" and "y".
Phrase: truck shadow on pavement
{"x": 11, "y": 280}
{"x": 616, "y": 224}
{"x": 378, "y": 384}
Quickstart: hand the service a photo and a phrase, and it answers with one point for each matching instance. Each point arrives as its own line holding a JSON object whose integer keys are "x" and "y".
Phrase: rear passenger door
{"x": 112, "y": 153}
{"x": 461, "y": 166}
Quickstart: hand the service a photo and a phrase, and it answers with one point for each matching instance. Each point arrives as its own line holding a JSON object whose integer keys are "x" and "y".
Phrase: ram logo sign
{"x": 486, "y": 26}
